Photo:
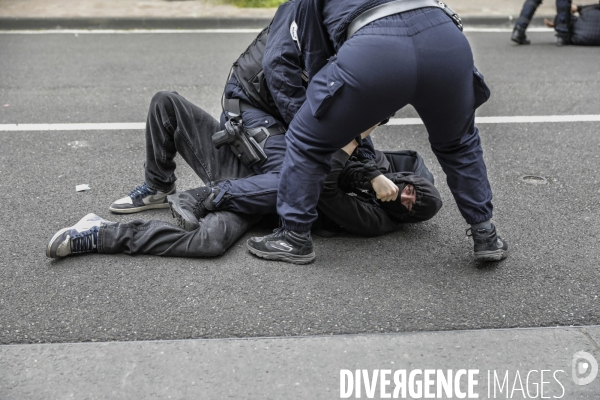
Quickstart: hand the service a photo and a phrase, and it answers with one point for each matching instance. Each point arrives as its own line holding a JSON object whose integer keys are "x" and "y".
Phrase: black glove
{"x": 357, "y": 174}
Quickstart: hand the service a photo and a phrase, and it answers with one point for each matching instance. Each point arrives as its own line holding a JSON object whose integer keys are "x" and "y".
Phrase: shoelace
{"x": 277, "y": 233}
{"x": 198, "y": 209}
{"x": 85, "y": 241}
{"x": 141, "y": 191}
{"x": 485, "y": 234}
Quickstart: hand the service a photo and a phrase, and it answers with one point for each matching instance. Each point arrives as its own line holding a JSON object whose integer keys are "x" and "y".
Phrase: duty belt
{"x": 261, "y": 134}
{"x": 395, "y": 7}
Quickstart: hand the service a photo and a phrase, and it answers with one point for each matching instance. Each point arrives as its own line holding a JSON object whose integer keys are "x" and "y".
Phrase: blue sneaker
{"x": 140, "y": 199}
{"x": 77, "y": 239}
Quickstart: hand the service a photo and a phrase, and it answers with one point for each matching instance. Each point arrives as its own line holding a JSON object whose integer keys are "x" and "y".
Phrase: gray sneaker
{"x": 79, "y": 238}
{"x": 140, "y": 199}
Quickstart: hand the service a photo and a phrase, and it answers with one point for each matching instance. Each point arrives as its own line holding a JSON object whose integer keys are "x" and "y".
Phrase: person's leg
{"x": 256, "y": 194}
{"x": 527, "y": 12}
{"x": 446, "y": 103}
{"x": 217, "y": 232}
{"x": 176, "y": 125}
{"x": 529, "y": 8}
{"x": 253, "y": 195}
{"x": 562, "y": 22}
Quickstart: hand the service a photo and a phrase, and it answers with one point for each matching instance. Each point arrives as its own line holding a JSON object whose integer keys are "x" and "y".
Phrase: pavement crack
{"x": 590, "y": 338}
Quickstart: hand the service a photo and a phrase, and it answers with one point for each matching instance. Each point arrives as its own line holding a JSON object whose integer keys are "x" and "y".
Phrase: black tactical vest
{"x": 249, "y": 73}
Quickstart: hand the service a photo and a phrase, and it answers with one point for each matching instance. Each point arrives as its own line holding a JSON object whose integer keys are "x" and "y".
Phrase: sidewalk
{"x": 200, "y": 14}
{"x": 306, "y": 367}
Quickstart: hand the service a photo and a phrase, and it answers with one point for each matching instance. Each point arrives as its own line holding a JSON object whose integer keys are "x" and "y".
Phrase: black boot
{"x": 563, "y": 40}
{"x": 488, "y": 245}
{"x": 283, "y": 245}
{"x": 518, "y": 36}
{"x": 188, "y": 207}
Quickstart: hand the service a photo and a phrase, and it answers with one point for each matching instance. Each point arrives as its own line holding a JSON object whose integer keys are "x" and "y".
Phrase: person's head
{"x": 419, "y": 200}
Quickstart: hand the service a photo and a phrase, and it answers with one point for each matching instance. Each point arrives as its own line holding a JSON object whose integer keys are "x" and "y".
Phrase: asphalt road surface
{"x": 419, "y": 278}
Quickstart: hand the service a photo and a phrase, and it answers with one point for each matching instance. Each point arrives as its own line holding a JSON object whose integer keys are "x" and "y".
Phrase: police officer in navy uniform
{"x": 585, "y": 28}
{"x": 562, "y": 22}
{"x": 416, "y": 56}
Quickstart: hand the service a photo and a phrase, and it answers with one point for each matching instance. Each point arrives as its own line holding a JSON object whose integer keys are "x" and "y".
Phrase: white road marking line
{"x": 393, "y": 121}
{"x": 127, "y": 31}
{"x": 122, "y": 31}
{"x": 504, "y": 30}
{"x": 510, "y": 120}
{"x": 73, "y": 127}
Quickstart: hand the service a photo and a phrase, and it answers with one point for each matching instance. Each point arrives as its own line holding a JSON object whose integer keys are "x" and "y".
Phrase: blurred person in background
{"x": 585, "y": 28}
{"x": 562, "y": 22}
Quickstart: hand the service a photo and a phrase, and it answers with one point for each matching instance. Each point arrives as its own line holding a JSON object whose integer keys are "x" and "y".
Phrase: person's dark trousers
{"x": 176, "y": 125}
{"x": 527, "y": 12}
{"x": 562, "y": 22}
{"x": 417, "y": 57}
{"x": 217, "y": 232}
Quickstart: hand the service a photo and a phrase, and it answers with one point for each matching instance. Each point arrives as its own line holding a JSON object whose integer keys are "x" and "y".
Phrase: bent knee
{"x": 163, "y": 97}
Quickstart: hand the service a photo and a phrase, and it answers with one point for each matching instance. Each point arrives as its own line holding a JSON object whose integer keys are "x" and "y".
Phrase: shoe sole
{"x": 137, "y": 209}
{"x": 290, "y": 258}
{"x": 520, "y": 43}
{"x": 181, "y": 222}
{"x": 491, "y": 255}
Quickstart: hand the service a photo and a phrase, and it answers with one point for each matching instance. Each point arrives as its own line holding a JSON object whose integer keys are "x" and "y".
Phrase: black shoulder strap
{"x": 248, "y": 71}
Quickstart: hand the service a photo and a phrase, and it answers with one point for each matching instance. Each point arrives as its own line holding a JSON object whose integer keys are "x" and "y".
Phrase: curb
{"x": 132, "y": 23}
{"x": 18, "y": 23}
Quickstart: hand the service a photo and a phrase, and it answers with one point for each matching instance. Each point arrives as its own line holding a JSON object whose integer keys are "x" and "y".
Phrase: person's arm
{"x": 351, "y": 213}
{"x": 385, "y": 189}
{"x": 283, "y": 66}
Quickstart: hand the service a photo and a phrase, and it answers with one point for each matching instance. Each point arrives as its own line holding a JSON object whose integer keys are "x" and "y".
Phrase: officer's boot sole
{"x": 185, "y": 218}
{"x": 281, "y": 256}
{"x": 491, "y": 255}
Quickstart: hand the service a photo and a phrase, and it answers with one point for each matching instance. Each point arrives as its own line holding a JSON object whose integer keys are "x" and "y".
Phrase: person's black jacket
{"x": 355, "y": 212}
{"x": 586, "y": 27}
{"x": 359, "y": 212}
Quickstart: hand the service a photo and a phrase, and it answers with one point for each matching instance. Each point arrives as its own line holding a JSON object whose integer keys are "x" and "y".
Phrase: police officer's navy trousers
{"x": 418, "y": 57}
{"x": 562, "y": 20}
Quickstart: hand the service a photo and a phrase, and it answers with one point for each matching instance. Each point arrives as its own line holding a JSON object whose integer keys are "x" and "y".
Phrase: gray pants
{"x": 217, "y": 232}
{"x": 177, "y": 126}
